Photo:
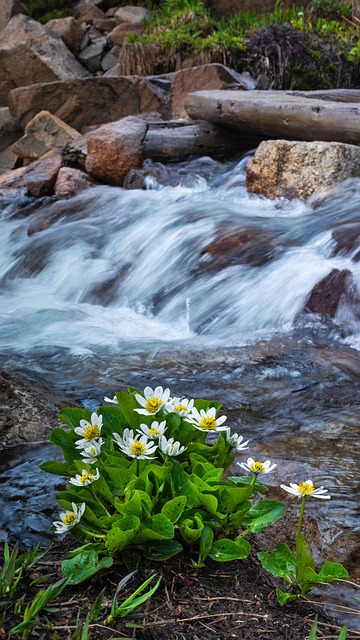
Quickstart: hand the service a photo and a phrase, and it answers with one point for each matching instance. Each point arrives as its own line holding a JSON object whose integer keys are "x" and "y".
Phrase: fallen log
{"x": 176, "y": 141}
{"x": 278, "y": 114}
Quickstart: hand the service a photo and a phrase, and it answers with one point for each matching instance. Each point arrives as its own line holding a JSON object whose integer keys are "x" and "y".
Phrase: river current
{"x": 123, "y": 288}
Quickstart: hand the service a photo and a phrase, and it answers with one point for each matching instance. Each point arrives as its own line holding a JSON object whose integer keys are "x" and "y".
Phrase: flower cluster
{"x": 91, "y": 442}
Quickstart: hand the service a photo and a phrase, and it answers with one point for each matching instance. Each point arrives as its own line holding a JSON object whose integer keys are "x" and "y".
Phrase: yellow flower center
{"x": 91, "y": 432}
{"x": 305, "y": 488}
{"x": 92, "y": 450}
{"x": 153, "y": 432}
{"x": 69, "y": 519}
{"x": 207, "y": 423}
{"x": 137, "y": 448}
{"x": 180, "y": 407}
{"x": 86, "y": 476}
{"x": 153, "y": 405}
{"x": 258, "y": 467}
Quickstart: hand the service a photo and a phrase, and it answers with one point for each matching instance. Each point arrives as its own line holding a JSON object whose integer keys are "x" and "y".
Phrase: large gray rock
{"x": 69, "y": 30}
{"x": 132, "y": 15}
{"x": 8, "y": 9}
{"x": 286, "y": 169}
{"x": 85, "y": 102}
{"x": 114, "y": 149}
{"x": 43, "y": 133}
{"x": 30, "y": 54}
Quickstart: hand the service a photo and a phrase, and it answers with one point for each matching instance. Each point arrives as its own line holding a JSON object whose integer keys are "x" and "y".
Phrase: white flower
{"x": 69, "y": 519}
{"x": 306, "y": 489}
{"x": 139, "y": 447}
{"x": 122, "y": 440}
{"x": 235, "y": 441}
{"x": 154, "y": 432}
{"x": 152, "y": 401}
{"x": 181, "y": 406}
{"x": 88, "y": 431}
{"x": 257, "y": 467}
{"x": 92, "y": 451}
{"x": 85, "y": 478}
{"x": 113, "y": 400}
{"x": 206, "y": 420}
{"x": 169, "y": 447}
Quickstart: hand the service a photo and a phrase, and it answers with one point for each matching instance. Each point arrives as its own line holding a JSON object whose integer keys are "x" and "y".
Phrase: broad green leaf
{"x": 231, "y": 498}
{"x": 113, "y": 420}
{"x": 305, "y": 565}
{"x": 58, "y": 468}
{"x": 161, "y": 550}
{"x": 284, "y": 597}
{"x": 127, "y": 404}
{"x": 246, "y": 480}
{"x": 206, "y": 542}
{"x": 122, "y": 533}
{"x": 181, "y": 485}
{"x": 333, "y": 570}
{"x": 280, "y": 563}
{"x": 139, "y": 505}
{"x": 93, "y": 510}
{"x": 173, "y": 509}
{"x": 66, "y": 441}
{"x": 236, "y": 518}
{"x": 262, "y": 514}
{"x": 191, "y": 530}
{"x": 226, "y": 550}
{"x": 120, "y": 477}
{"x": 83, "y": 566}
{"x": 72, "y": 416}
{"x": 156, "y": 527}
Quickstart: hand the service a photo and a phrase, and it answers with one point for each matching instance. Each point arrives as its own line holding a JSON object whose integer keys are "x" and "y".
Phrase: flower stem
{"x": 93, "y": 492}
{"x": 253, "y": 480}
{"x": 91, "y": 533}
{"x": 299, "y": 528}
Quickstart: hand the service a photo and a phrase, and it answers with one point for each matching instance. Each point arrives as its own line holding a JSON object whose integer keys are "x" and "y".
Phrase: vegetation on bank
{"x": 298, "y": 48}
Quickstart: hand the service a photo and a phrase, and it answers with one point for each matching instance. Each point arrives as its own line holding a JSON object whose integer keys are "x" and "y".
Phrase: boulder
{"x": 69, "y": 30}
{"x": 9, "y": 8}
{"x": 326, "y": 296}
{"x": 7, "y": 160}
{"x": 114, "y": 149}
{"x": 85, "y": 102}
{"x": 120, "y": 34}
{"x": 10, "y": 129}
{"x": 92, "y": 55}
{"x": 40, "y": 177}
{"x": 347, "y": 238}
{"x": 43, "y": 133}
{"x": 290, "y": 170}
{"x": 207, "y": 76}
{"x": 13, "y": 179}
{"x": 252, "y": 247}
{"x": 70, "y": 182}
{"x": 131, "y": 15}
{"x": 91, "y": 15}
{"x": 30, "y": 54}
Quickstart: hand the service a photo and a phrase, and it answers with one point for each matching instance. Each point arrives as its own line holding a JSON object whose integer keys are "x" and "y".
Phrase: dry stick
{"x": 334, "y": 606}
{"x": 198, "y": 618}
{"x": 225, "y": 598}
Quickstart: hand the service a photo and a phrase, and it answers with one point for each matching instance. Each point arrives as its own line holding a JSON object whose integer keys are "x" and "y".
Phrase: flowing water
{"x": 123, "y": 288}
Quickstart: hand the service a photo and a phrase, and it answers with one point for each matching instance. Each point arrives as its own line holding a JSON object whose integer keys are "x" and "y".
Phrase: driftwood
{"x": 175, "y": 141}
{"x": 278, "y": 114}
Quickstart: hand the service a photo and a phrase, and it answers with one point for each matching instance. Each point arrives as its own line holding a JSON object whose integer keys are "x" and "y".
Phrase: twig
{"x": 225, "y": 598}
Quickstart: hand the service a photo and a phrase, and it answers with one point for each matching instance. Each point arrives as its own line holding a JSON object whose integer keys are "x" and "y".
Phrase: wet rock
{"x": 290, "y": 170}
{"x": 40, "y": 176}
{"x": 13, "y": 179}
{"x": 347, "y": 238}
{"x": 114, "y": 149}
{"x": 43, "y": 133}
{"x": 30, "y": 54}
{"x": 70, "y": 182}
{"x": 326, "y": 296}
{"x": 52, "y": 212}
{"x": 27, "y": 411}
{"x": 132, "y": 15}
{"x": 69, "y": 30}
{"x": 85, "y": 102}
{"x": 207, "y": 76}
{"x": 245, "y": 246}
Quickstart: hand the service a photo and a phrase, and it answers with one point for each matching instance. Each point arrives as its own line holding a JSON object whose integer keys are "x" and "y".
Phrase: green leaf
{"x": 58, "y": 468}
{"x": 72, "y": 416}
{"x": 181, "y": 485}
{"x": 128, "y": 403}
{"x": 313, "y": 630}
{"x": 120, "y": 477}
{"x": 226, "y": 550}
{"x": 284, "y": 597}
{"x": 206, "y": 542}
{"x": 83, "y": 566}
{"x": 139, "y": 505}
{"x": 191, "y": 530}
{"x": 262, "y": 514}
{"x": 156, "y": 527}
{"x": 173, "y": 509}
{"x": 246, "y": 480}
{"x": 93, "y": 510}
{"x": 66, "y": 441}
{"x": 280, "y": 563}
{"x": 161, "y": 551}
{"x": 333, "y": 571}
{"x": 232, "y": 497}
{"x": 122, "y": 533}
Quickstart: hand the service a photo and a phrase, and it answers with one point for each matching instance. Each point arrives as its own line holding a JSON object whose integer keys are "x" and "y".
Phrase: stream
{"x": 121, "y": 287}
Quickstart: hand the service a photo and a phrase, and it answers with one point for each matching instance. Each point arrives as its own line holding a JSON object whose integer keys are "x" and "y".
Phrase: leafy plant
{"x": 13, "y": 566}
{"x": 298, "y": 570}
{"x": 123, "y": 609}
{"x": 342, "y": 636}
{"x": 39, "y": 602}
{"x": 151, "y": 486}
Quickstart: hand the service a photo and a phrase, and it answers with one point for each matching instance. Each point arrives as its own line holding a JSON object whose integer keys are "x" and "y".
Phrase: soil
{"x": 219, "y": 601}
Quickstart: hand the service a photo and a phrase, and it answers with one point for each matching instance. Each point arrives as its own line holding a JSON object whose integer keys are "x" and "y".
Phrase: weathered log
{"x": 278, "y": 114}
{"x": 174, "y": 141}
{"x": 334, "y": 95}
